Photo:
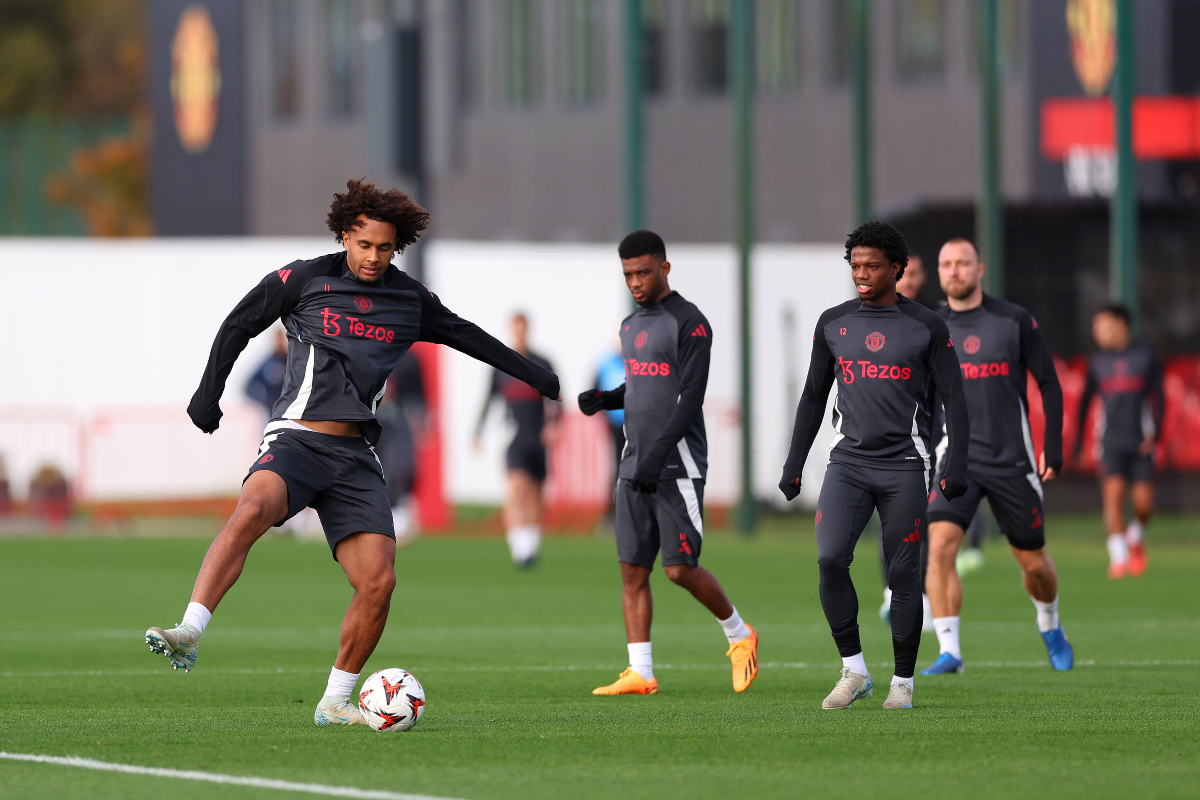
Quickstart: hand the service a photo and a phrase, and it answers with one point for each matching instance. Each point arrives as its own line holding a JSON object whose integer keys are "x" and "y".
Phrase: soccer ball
{"x": 392, "y": 700}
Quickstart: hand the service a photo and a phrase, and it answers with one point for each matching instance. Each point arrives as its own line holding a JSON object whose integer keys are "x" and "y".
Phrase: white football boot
{"x": 899, "y": 696}
{"x": 851, "y": 687}
{"x": 179, "y": 644}
{"x": 334, "y": 711}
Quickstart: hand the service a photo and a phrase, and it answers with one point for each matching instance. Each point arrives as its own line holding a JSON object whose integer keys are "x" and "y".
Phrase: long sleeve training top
{"x": 1130, "y": 384}
{"x": 344, "y": 338}
{"x": 996, "y": 343}
{"x": 887, "y": 361}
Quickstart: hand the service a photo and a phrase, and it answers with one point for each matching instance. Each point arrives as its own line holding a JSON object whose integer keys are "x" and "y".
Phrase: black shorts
{"x": 1133, "y": 467}
{"x": 527, "y": 456}
{"x": 1016, "y": 500}
{"x": 670, "y": 520}
{"x": 339, "y": 476}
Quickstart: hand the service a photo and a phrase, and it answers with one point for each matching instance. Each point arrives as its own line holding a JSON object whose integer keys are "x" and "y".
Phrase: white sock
{"x": 524, "y": 541}
{"x": 401, "y": 519}
{"x": 947, "y": 633}
{"x": 1133, "y": 534}
{"x": 887, "y": 596}
{"x": 197, "y": 616}
{"x": 341, "y": 684}
{"x": 1047, "y": 614}
{"x": 1118, "y": 551}
{"x": 640, "y": 659}
{"x": 856, "y": 664}
{"x": 896, "y": 681}
{"x": 735, "y": 629}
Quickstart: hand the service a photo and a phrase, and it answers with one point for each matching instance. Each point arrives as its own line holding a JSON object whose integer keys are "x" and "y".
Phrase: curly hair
{"x": 883, "y": 236}
{"x": 642, "y": 243}
{"x": 392, "y": 206}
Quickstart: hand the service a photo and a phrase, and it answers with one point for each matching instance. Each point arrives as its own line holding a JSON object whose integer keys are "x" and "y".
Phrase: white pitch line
{"x": 230, "y": 780}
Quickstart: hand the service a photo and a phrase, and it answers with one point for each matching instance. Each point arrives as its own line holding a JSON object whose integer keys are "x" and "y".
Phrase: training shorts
{"x": 338, "y": 476}
{"x": 1016, "y": 500}
{"x": 1133, "y": 467}
{"x": 670, "y": 520}
{"x": 528, "y": 456}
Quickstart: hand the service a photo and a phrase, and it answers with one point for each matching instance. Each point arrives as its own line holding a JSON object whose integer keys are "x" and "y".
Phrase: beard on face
{"x": 961, "y": 289}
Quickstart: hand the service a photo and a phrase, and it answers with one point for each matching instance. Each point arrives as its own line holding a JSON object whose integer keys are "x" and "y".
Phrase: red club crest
{"x": 640, "y": 341}
{"x": 362, "y": 303}
{"x": 972, "y": 344}
{"x": 817, "y": 518}
{"x": 267, "y": 458}
{"x": 875, "y": 341}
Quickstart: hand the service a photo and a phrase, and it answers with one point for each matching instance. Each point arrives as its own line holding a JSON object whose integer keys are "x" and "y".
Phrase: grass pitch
{"x": 509, "y": 658}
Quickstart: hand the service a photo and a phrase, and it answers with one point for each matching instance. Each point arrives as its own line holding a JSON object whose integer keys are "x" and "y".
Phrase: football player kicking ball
{"x": 887, "y": 354}
{"x": 997, "y": 343}
{"x": 666, "y": 345}
{"x": 349, "y": 317}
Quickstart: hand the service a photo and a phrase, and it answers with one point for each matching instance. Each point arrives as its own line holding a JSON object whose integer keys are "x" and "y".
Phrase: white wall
{"x": 100, "y": 323}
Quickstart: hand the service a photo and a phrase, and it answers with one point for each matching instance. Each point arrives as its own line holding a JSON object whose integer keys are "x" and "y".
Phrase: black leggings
{"x": 848, "y": 496}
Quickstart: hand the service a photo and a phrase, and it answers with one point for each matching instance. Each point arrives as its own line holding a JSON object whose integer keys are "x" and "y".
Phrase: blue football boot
{"x": 946, "y": 664}
{"x": 1059, "y": 649}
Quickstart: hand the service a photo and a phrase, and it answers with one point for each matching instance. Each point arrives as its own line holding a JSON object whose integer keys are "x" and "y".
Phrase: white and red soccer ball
{"x": 392, "y": 700}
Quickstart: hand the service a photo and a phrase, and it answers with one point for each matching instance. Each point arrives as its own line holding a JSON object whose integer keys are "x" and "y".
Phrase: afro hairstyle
{"x": 642, "y": 243}
{"x": 394, "y": 206}
{"x": 884, "y": 237}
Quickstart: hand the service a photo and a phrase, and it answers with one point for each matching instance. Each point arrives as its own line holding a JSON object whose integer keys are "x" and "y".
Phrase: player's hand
{"x": 1047, "y": 474}
{"x": 790, "y": 487}
{"x": 591, "y": 401}
{"x": 644, "y": 482}
{"x": 953, "y": 487}
{"x": 1148, "y": 445}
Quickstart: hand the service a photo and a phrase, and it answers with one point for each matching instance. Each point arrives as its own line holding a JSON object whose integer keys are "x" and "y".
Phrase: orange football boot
{"x": 744, "y": 655}
{"x": 629, "y": 682}
{"x": 1137, "y": 559}
{"x": 1118, "y": 569}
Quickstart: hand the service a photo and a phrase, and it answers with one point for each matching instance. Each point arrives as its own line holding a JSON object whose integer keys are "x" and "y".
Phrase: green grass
{"x": 508, "y": 660}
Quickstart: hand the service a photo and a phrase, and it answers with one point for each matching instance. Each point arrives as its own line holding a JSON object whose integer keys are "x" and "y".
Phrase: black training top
{"x": 667, "y": 347}
{"x": 344, "y": 338}
{"x": 996, "y": 343}
{"x": 887, "y": 361}
{"x": 526, "y": 407}
{"x": 1130, "y": 384}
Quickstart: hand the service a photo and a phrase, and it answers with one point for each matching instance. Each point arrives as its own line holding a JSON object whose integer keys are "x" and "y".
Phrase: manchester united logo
{"x": 875, "y": 341}
{"x": 363, "y": 304}
{"x": 195, "y": 79}
{"x": 817, "y": 518}
{"x": 640, "y": 341}
{"x": 1092, "y": 25}
{"x": 972, "y": 344}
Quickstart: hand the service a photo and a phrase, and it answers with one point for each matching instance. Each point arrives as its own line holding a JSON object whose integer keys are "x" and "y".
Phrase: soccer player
{"x": 349, "y": 317}
{"x": 666, "y": 344}
{"x": 887, "y": 354}
{"x": 526, "y": 456}
{"x": 997, "y": 343}
{"x": 1128, "y": 376}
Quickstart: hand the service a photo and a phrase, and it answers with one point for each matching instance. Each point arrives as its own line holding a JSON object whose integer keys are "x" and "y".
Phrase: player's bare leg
{"x": 1112, "y": 493}
{"x": 522, "y": 517}
{"x": 262, "y": 503}
{"x": 638, "y": 606}
{"x": 369, "y": 560}
{"x": 944, "y": 588}
{"x": 1142, "y": 496}
{"x": 1041, "y": 581}
{"x": 743, "y": 639}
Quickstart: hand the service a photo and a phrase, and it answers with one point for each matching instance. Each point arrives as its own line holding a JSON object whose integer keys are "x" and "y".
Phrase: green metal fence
{"x": 31, "y": 150}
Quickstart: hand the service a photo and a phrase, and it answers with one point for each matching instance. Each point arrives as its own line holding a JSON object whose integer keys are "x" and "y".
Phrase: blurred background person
{"x": 1128, "y": 377}
{"x": 912, "y": 282}
{"x": 266, "y": 384}
{"x": 610, "y": 373}
{"x": 526, "y": 456}
{"x": 402, "y": 414}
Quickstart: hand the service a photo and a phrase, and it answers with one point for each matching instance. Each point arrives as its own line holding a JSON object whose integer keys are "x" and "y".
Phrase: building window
{"x": 285, "y": 60}
{"x": 776, "y": 36}
{"x": 469, "y": 72}
{"x": 583, "y": 49}
{"x": 710, "y": 35}
{"x": 519, "y": 52}
{"x": 1011, "y": 14}
{"x": 654, "y": 47}
{"x": 920, "y": 39}
{"x": 340, "y": 28}
{"x": 836, "y": 23}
